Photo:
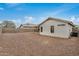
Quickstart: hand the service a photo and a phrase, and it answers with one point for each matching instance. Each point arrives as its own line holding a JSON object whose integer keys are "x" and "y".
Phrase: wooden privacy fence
{"x": 27, "y": 30}
{"x": 9, "y": 30}
{"x": 12, "y": 30}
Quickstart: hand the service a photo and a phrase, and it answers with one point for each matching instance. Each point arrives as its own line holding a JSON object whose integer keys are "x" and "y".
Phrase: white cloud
{"x": 75, "y": 20}
{"x": 29, "y": 19}
{"x": 0, "y": 22}
{"x": 18, "y": 22}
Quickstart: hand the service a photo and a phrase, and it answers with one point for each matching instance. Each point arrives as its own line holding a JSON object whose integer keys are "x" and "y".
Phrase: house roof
{"x": 65, "y": 21}
{"x": 28, "y": 25}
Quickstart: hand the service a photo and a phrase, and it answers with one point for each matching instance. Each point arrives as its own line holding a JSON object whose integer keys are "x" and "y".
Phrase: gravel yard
{"x": 33, "y": 44}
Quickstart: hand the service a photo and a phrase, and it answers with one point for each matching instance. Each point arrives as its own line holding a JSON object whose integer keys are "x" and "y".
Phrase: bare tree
{"x": 8, "y": 24}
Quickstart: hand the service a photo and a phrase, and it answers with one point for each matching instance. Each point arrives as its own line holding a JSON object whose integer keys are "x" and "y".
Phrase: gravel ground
{"x": 33, "y": 44}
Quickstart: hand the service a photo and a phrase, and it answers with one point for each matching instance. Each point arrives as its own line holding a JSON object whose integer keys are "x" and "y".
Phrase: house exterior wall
{"x": 59, "y": 31}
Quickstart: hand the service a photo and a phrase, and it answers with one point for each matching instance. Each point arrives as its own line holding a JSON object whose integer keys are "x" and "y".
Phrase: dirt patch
{"x": 29, "y": 43}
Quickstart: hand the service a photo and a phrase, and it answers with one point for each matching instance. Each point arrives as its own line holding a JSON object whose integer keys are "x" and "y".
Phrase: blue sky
{"x": 37, "y": 12}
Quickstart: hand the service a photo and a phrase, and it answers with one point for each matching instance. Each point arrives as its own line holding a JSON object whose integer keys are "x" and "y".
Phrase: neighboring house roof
{"x": 27, "y": 25}
{"x": 65, "y": 21}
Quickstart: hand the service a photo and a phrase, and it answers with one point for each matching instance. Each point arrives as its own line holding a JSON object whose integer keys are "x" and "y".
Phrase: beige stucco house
{"x": 56, "y": 28}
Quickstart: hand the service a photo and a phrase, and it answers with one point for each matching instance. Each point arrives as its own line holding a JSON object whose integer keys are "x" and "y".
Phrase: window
{"x": 41, "y": 29}
{"x": 61, "y": 24}
{"x": 52, "y": 29}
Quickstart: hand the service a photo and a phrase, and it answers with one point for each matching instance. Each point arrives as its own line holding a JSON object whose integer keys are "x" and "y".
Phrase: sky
{"x": 22, "y": 13}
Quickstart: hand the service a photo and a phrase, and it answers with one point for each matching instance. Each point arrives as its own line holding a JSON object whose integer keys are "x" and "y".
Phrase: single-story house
{"x": 56, "y": 28}
{"x": 28, "y": 27}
